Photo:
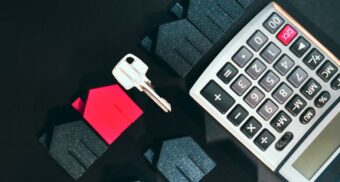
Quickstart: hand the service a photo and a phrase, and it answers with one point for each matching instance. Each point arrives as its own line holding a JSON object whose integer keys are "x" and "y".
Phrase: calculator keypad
{"x": 287, "y": 34}
{"x": 297, "y": 77}
{"x": 313, "y": 59}
{"x": 300, "y": 47}
{"x": 269, "y": 81}
{"x": 264, "y": 140}
{"x": 220, "y": 99}
{"x": 284, "y": 141}
{"x": 327, "y": 71}
{"x": 242, "y": 57}
{"x": 271, "y": 52}
{"x": 251, "y": 127}
{"x": 311, "y": 89}
{"x": 241, "y": 85}
{"x": 254, "y": 97}
{"x": 282, "y": 93}
{"x": 269, "y": 85}
{"x": 322, "y": 99}
{"x": 307, "y": 116}
{"x": 257, "y": 41}
{"x": 237, "y": 115}
{"x": 268, "y": 109}
{"x": 284, "y": 65}
{"x": 336, "y": 83}
{"x": 255, "y": 69}
{"x": 296, "y": 105}
{"x": 273, "y": 23}
{"x": 227, "y": 73}
{"x": 281, "y": 121}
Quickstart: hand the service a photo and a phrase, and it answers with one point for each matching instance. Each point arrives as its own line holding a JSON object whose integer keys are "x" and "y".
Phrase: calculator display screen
{"x": 312, "y": 159}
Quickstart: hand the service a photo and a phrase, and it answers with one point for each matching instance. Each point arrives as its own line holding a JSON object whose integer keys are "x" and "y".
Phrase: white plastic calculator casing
{"x": 270, "y": 157}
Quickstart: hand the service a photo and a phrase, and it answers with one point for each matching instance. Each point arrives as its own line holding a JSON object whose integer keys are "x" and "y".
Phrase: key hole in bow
{"x": 130, "y": 60}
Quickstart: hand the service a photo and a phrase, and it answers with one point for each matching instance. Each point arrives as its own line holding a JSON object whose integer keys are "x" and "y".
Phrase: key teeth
{"x": 168, "y": 108}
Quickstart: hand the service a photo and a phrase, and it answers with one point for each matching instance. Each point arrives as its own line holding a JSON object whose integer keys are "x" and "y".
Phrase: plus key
{"x": 216, "y": 96}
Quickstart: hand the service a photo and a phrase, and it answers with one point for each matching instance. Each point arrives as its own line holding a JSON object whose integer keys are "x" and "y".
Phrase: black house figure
{"x": 75, "y": 146}
{"x": 180, "y": 160}
{"x": 200, "y": 24}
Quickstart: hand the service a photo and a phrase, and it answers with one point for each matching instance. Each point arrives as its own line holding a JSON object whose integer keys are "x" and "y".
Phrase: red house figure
{"x": 109, "y": 110}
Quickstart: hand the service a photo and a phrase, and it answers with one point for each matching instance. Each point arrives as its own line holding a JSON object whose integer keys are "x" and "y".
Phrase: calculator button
{"x": 273, "y": 23}
{"x": 241, "y": 85}
{"x": 282, "y": 93}
{"x": 255, "y": 69}
{"x": 287, "y": 34}
{"x": 296, "y": 105}
{"x": 322, "y": 99}
{"x": 336, "y": 83}
{"x": 264, "y": 140}
{"x": 237, "y": 115}
{"x": 271, "y": 52}
{"x": 284, "y": 141}
{"x": 307, "y": 116}
{"x": 267, "y": 110}
{"x": 254, "y": 97}
{"x": 310, "y": 89}
{"x": 227, "y": 73}
{"x": 281, "y": 121}
{"x": 327, "y": 71}
{"x": 297, "y": 77}
{"x": 284, "y": 65}
{"x": 300, "y": 47}
{"x": 217, "y": 97}
{"x": 269, "y": 81}
{"x": 257, "y": 40}
{"x": 251, "y": 127}
{"x": 313, "y": 59}
{"x": 242, "y": 57}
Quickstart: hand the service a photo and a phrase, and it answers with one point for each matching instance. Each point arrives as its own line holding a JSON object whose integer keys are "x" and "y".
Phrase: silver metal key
{"x": 133, "y": 74}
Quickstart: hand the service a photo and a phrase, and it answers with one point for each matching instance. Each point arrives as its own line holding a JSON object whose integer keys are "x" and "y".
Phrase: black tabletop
{"x": 53, "y": 51}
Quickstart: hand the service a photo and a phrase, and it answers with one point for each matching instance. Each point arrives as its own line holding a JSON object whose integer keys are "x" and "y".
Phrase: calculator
{"x": 275, "y": 88}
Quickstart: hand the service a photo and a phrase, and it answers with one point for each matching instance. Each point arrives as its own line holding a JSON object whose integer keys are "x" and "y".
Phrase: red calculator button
{"x": 287, "y": 34}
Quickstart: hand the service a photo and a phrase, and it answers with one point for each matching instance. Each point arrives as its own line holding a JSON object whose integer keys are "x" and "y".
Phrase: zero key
{"x": 221, "y": 100}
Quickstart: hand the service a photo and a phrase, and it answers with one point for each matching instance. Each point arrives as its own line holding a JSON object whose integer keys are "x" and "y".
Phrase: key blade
{"x": 132, "y": 74}
{"x": 162, "y": 103}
